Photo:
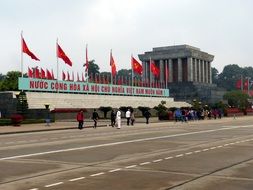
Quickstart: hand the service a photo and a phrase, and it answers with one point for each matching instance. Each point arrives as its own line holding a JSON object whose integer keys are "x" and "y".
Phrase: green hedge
{"x": 27, "y": 121}
{"x": 5, "y": 122}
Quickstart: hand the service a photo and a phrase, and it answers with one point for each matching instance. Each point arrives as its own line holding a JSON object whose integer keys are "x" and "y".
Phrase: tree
{"x": 93, "y": 68}
{"x": 124, "y": 109}
{"x": 162, "y": 110}
{"x": 143, "y": 109}
{"x": 229, "y": 76}
{"x": 105, "y": 110}
{"x": 215, "y": 75}
{"x": 2, "y": 77}
{"x": 10, "y": 82}
{"x": 106, "y": 76}
{"x": 237, "y": 99}
{"x": 124, "y": 72}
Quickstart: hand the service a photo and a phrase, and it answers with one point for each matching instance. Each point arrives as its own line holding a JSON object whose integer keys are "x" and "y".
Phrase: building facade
{"x": 181, "y": 63}
{"x": 185, "y": 70}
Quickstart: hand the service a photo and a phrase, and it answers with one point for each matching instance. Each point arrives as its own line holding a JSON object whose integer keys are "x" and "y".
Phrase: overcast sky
{"x": 223, "y": 28}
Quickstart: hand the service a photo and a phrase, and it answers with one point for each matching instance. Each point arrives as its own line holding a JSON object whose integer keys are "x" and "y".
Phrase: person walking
{"x": 118, "y": 118}
{"x": 147, "y": 115}
{"x": 95, "y": 118}
{"x": 113, "y": 118}
{"x": 132, "y": 118}
{"x": 128, "y": 115}
{"x": 80, "y": 119}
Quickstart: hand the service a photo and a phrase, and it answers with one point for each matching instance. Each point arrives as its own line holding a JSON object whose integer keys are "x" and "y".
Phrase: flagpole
{"x": 87, "y": 62}
{"x": 22, "y": 54}
{"x": 150, "y": 72}
{"x": 132, "y": 70}
{"x": 57, "y": 63}
{"x": 111, "y": 66}
{"x": 166, "y": 74}
{"x": 241, "y": 83}
{"x": 248, "y": 86}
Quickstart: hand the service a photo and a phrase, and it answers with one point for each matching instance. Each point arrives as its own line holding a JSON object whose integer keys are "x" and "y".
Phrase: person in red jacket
{"x": 80, "y": 118}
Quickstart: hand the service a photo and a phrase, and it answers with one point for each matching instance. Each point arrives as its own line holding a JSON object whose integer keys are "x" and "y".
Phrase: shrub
{"x": 143, "y": 109}
{"x": 105, "y": 110}
{"x": 16, "y": 119}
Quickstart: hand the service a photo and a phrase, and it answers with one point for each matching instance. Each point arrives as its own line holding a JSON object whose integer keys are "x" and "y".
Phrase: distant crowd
{"x": 182, "y": 115}
{"x": 115, "y": 118}
{"x": 191, "y": 114}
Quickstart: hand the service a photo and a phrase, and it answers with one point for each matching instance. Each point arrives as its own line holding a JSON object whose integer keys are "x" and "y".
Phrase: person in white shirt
{"x": 118, "y": 119}
{"x": 128, "y": 115}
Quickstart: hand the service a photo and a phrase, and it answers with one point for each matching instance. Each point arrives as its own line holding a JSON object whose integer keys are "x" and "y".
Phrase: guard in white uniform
{"x": 118, "y": 119}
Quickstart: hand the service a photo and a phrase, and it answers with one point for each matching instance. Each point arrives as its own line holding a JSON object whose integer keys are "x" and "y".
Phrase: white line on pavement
{"x": 159, "y": 160}
{"x": 76, "y": 179}
{"x": 167, "y": 158}
{"x": 132, "y": 166}
{"x": 115, "y": 170}
{"x": 179, "y": 155}
{"x": 120, "y": 143}
{"x": 144, "y": 163}
{"x": 188, "y": 153}
{"x": 97, "y": 174}
{"x": 54, "y": 184}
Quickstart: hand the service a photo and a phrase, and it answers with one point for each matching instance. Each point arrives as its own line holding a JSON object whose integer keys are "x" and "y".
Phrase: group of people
{"x": 115, "y": 118}
{"x": 187, "y": 115}
{"x": 80, "y": 119}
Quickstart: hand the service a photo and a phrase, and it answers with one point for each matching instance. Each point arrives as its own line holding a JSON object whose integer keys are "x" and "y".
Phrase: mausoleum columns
{"x": 162, "y": 70}
{"x": 189, "y": 69}
{"x": 179, "y": 74}
{"x": 196, "y": 70}
{"x": 170, "y": 68}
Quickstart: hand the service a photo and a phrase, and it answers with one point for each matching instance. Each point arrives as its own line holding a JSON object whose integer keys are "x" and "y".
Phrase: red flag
{"x": 37, "y": 72}
{"x": 52, "y": 74}
{"x": 113, "y": 66}
{"x": 30, "y": 73}
{"x": 68, "y": 76}
{"x": 73, "y": 76}
{"x": 63, "y": 76}
{"x": 26, "y": 50}
{"x": 77, "y": 77}
{"x": 43, "y": 73}
{"x": 238, "y": 84}
{"x": 49, "y": 75}
{"x": 82, "y": 77}
{"x": 137, "y": 67}
{"x": 166, "y": 73}
{"x": 155, "y": 70}
{"x": 62, "y": 55}
{"x": 246, "y": 84}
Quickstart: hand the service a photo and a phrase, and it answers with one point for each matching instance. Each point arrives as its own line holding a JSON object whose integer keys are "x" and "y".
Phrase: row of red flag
{"x": 245, "y": 85}
{"x": 46, "y": 74}
{"x": 136, "y": 66}
{"x": 40, "y": 73}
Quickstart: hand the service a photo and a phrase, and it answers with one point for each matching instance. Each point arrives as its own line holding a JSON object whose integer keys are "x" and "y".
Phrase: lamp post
{"x": 48, "y": 116}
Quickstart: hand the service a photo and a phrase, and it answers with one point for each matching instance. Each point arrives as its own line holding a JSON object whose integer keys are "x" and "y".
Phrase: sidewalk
{"x": 60, "y": 125}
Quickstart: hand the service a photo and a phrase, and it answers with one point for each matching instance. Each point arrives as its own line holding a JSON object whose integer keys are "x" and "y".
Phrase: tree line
{"x": 230, "y": 75}
{"x": 226, "y": 79}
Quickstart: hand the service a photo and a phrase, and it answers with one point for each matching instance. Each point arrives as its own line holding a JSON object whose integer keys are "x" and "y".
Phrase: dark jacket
{"x": 95, "y": 115}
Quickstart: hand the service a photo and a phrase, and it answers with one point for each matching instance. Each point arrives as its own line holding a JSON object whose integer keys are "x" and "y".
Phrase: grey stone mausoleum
{"x": 189, "y": 73}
